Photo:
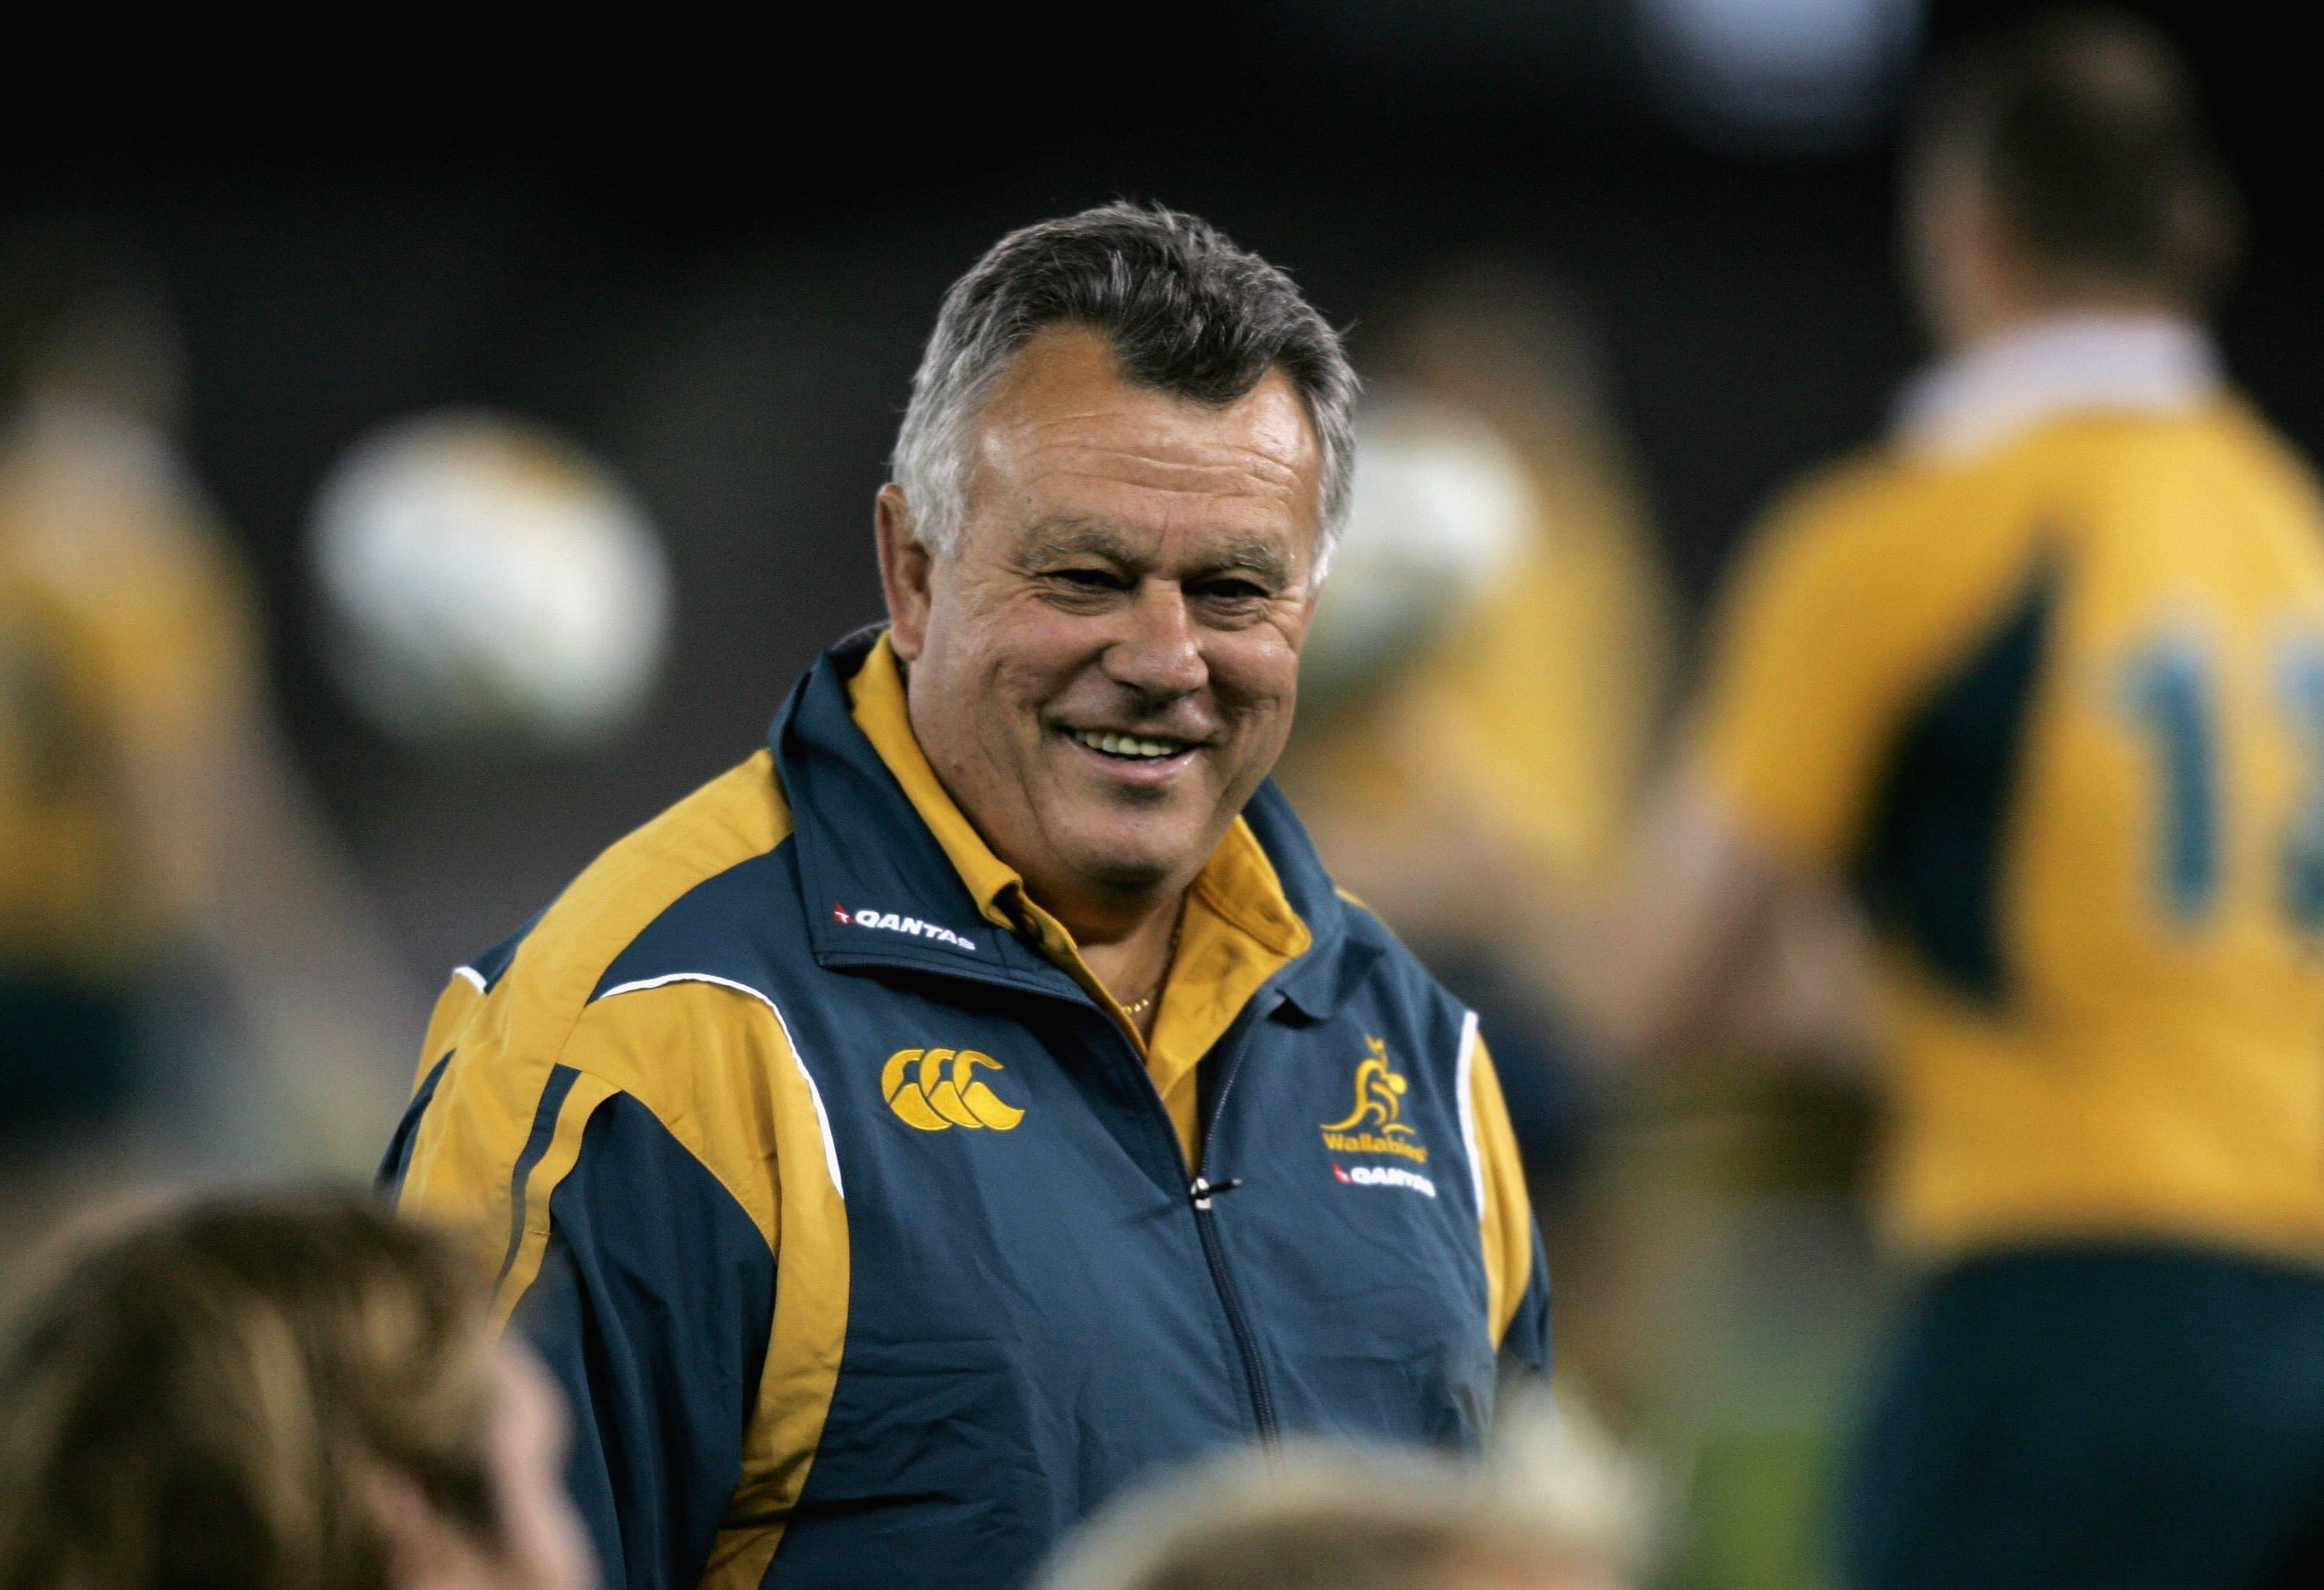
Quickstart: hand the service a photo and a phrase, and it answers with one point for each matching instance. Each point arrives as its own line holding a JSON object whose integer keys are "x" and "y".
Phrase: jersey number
{"x": 2173, "y": 696}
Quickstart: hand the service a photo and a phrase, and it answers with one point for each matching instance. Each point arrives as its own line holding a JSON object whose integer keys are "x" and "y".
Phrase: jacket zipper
{"x": 1262, "y": 1401}
{"x": 1199, "y": 1195}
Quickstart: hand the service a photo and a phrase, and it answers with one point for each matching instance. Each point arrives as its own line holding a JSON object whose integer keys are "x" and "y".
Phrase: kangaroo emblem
{"x": 1379, "y": 1094}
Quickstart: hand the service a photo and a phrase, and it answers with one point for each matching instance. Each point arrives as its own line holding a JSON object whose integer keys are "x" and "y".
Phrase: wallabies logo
{"x": 1374, "y": 1126}
{"x": 925, "y": 1092}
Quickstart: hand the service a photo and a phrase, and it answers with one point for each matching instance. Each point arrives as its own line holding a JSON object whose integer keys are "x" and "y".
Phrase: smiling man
{"x": 980, "y": 1098}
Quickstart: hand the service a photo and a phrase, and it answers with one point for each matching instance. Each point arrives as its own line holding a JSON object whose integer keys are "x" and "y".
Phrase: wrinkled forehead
{"x": 1068, "y": 446}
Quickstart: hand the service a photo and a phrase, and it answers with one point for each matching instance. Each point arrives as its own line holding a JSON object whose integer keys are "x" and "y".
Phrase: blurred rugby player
{"x": 980, "y": 1097}
{"x": 152, "y": 819}
{"x": 2041, "y": 678}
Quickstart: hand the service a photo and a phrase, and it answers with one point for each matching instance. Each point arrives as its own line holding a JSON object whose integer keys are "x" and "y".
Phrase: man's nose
{"x": 1159, "y": 652}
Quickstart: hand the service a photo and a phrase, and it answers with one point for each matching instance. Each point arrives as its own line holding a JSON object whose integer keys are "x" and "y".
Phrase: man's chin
{"x": 1130, "y": 872}
{"x": 1132, "y": 859}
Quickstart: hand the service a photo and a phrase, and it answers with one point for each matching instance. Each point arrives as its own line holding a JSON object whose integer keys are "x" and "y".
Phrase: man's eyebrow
{"x": 1248, "y": 555}
{"x": 1066, "y": 538}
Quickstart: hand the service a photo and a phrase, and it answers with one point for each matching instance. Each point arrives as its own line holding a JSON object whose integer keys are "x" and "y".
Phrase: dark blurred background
{"x": 710, "y": 254}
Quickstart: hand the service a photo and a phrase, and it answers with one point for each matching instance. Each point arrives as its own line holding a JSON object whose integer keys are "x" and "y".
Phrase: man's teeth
{"x": 1127, "y": 745}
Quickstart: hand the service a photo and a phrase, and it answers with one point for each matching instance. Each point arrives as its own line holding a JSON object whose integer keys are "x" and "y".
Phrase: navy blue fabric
{"x": 2094, "y": 1417}
{"x": 1034, "y": 1320}
{"x": 1033, "y": 1323}
{"x": 397, "y": 1160}
{"x": 1527, "y": 1344}
{"x": 724, "y": 926}
{"x": 1930, "y": 866}
{"x": 652, "y": 1307}
{"x": 860, "y": 847}
{"x": 67, "y": 1054}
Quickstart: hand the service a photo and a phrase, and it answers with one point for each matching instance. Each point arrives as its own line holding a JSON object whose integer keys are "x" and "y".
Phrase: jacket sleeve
{"x": 1526, "y": 1341}
{"x": 1517, "y": 1274}
{"x": 652, "y": 1306}
{"x": 628, "y": 1189}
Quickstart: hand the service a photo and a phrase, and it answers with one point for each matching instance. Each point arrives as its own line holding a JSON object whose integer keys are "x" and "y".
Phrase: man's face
{"x": 1103, "y": 670}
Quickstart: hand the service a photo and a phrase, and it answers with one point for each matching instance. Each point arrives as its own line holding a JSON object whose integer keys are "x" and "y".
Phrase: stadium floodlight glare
{"x": 1778, "y": 75}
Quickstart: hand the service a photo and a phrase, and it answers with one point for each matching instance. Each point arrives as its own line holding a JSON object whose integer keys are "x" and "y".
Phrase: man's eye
{"x": 1088, "y": 579}
{"x": 1231, "y": 591}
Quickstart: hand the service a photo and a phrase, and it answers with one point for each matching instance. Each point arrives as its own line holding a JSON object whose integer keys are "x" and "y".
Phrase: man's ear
{"x": 906, "y": 569}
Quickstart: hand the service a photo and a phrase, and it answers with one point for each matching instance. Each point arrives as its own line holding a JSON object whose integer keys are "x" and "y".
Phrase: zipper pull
{"x": 1203, "y": 1189}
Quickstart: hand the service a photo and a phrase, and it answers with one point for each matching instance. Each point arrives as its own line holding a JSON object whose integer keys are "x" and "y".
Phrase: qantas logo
{"x": 1384, "y": 1176}
{"x": 888, "y": 921}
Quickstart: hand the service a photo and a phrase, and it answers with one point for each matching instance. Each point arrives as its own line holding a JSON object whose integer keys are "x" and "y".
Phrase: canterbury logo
{"x": 936, "y": 1089}
{"x": 1373, "y": 1126}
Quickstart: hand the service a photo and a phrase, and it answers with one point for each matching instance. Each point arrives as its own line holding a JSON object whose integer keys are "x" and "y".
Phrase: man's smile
{"x": 1132, "y": 747}
{"x": 1126, "y": 760}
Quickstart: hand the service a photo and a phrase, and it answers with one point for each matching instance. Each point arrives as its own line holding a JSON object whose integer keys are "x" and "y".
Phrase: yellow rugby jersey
{"x": 2057, "y": 707}
{"x": 125, "y": 632}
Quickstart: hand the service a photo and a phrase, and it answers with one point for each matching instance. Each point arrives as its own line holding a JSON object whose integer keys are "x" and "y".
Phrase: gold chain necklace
{"x": 1169, "y": 955}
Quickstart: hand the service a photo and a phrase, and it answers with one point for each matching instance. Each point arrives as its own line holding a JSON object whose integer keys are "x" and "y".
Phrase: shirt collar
{"x": 2053, "y": 365}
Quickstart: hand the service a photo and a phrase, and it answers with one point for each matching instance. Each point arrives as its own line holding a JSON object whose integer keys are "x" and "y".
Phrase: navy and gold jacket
{"x": 871, "y": 1243}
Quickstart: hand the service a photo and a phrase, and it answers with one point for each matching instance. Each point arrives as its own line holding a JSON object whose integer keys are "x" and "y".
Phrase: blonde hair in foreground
{"x": 213, "y": 1397}
{"x": 1319, "y": 1518}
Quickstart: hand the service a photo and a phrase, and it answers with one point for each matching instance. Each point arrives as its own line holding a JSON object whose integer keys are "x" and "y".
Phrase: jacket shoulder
{"x": 736, "y": 819}
{"x": 538, "y": 981}
{"x": 512, "y": 1046}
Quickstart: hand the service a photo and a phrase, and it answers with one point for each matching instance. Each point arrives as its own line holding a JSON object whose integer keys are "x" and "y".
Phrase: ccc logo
{"x": 934, "y": 1088}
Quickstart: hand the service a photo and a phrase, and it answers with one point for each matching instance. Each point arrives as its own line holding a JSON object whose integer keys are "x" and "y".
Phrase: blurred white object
{"x": 1442, "y": 508}
{"x": 1780, "y": 74}
{"x": 485, "y": 578}
{"x": 1552, "y": 1461}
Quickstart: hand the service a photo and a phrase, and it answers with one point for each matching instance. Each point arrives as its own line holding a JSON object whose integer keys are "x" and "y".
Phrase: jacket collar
{"x": 895, "y": 875}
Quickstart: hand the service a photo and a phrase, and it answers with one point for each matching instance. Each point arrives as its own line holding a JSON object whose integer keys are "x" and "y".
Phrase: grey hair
{"x": 1186, "y": 311}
